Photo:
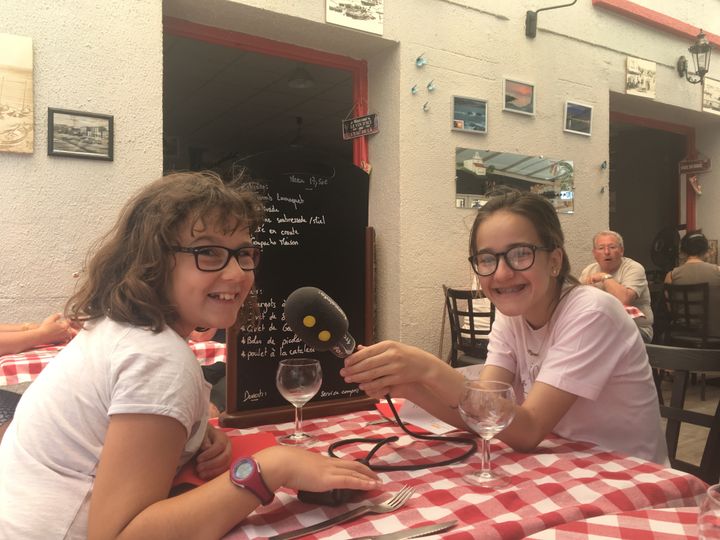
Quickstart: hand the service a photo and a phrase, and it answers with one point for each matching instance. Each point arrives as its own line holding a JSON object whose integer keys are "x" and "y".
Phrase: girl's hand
{"x": 55, "y": 329}
{"x": 388, "y": 367}
{"x": 215, "y": 454}
{"x": 298, "y": 469}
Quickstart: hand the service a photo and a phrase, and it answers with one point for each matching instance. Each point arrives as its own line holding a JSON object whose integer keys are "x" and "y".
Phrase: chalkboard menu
{"x": 315, "y": 234}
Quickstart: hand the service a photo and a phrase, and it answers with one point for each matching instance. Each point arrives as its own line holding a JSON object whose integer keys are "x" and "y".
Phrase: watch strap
{"x": 252, "y": 480}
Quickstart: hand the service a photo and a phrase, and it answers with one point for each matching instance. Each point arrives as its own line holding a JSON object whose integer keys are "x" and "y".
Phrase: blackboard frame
{"x": 233, "y": 417}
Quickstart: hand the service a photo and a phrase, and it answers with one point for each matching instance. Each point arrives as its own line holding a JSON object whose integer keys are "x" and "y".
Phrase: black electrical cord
{"x": 379, "y": 443}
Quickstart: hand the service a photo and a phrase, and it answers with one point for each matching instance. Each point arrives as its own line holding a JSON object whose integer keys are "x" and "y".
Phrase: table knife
{"x": 414, "y": 532}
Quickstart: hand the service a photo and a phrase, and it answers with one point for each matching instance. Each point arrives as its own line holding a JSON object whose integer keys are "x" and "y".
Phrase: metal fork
{"x": 390, "y": 505}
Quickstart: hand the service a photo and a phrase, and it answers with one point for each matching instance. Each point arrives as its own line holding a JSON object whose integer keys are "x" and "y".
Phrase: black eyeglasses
{"x": 215, "y": 258}
{"x": 519, "y": 257}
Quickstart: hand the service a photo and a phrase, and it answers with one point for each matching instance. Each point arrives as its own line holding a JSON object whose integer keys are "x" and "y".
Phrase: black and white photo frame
{"x": 80, "y": 134}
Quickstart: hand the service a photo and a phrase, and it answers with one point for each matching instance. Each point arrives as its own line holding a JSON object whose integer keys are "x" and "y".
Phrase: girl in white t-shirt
{"x": 98, "y": 437}
{"x": 575, "y": 358}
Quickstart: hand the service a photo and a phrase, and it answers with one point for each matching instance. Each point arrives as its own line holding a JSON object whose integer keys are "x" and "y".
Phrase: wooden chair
{"x": 688, "y": 326}
{"x": 471, "y": 317}
{"x": 682, "y": 361}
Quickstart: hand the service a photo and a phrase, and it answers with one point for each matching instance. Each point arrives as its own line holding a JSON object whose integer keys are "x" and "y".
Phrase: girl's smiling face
{"x": 531, "y": 293}
{"x": 209, "y": 299}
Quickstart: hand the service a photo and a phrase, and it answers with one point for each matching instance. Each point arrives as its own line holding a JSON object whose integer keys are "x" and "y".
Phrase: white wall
{"x": 102, "y": 57}
{"x": 107, "y": 58}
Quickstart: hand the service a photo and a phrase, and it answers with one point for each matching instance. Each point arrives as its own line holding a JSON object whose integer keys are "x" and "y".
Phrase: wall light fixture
{"x": 700, "y": 51}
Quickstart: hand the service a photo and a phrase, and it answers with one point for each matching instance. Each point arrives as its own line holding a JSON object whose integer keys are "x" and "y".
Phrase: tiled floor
{"x": 692, "y": 438}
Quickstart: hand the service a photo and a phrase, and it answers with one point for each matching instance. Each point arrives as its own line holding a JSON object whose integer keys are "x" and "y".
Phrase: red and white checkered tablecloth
{"x": 651, "y": 524}
{"x": 26, "y": 366}
{"x": 561, "y": 482}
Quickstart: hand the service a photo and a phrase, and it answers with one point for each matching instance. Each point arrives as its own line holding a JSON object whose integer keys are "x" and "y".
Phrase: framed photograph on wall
{"x": 469, "y": 115}
{"x": 711, "y": 96}
{"x": 365, "y": 15}
{"x": 640, "y": 77}
{"x": 17, "y": 130}
{"x": 578, "y": 118}
{"x": 518, "y": 97}
{"x": 80, "y": 134}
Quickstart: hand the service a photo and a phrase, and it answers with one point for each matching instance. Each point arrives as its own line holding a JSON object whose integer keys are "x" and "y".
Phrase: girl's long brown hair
{"x": 126, "y": 276}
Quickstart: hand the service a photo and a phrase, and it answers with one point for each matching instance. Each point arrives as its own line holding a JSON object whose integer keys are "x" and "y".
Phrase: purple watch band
{"x": 245, "y": 473}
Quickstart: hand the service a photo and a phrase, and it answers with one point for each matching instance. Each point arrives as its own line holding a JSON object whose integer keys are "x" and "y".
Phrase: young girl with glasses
{"x": 574, "y": 356}
{"x": 100, "y": 434}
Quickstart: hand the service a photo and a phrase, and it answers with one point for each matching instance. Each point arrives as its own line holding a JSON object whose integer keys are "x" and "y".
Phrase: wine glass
{"x": 709, "y": 516}
{"x": 298, "y": 380}
{"x": 487, "y": 407}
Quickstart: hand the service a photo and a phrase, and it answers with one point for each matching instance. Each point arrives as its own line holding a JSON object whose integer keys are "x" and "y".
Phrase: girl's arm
{"x": 17, "y": 327}
{"x": 53, "y": 329}
{"x": 536, "y": 417}
{"x": 409, "y": 372}
{"x": 138, "y": 464}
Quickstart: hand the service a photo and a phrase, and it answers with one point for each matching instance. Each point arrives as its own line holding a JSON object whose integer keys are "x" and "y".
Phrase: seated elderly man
{"x": 620, "y": 276}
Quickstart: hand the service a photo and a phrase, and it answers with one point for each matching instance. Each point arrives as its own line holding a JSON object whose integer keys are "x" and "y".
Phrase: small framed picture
{"x": 518, "y": 97}
{"x": 578, "y": 118}
{"x": 80, "y": 134}
{"x": 640, "y": 77}
{"x": 469, "y": 115}
{"x": 711, "y": 96}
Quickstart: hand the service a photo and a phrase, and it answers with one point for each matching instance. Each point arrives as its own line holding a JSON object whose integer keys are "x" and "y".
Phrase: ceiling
{"x": 221, "y": 103}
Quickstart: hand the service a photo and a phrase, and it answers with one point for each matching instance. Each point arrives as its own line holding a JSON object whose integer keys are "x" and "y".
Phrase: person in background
{"x": 100, "y": 434}
{"x": 620, "y": 276}
{"x": 696, "y": 270}
{"x": 15, "y": 338}
{"x": 574, "y": 357}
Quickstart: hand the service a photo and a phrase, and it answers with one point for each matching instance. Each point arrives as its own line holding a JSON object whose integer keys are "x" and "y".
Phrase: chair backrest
{"x": 688, "y": 305}
{"x": 471, "y": 317}
{"x": 682, "y": 361}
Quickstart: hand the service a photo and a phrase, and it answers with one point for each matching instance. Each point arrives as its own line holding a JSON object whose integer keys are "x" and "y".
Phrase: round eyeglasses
{"x": 215, "y": 258}
{"x": 519, "y": 257}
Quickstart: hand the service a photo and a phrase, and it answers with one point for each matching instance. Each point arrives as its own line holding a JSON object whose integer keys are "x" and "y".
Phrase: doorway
{"x": 228, "y": 95}
{"x": 644, "y": 186}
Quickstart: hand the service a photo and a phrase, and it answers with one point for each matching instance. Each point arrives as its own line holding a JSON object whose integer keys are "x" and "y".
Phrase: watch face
{"x": 243, "y": 469}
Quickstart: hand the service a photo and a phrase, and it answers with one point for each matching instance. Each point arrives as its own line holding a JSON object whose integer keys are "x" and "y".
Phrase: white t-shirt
{"x": 630, "y": 274}
{"x": 50, "y": 452}
{"x": 592, "y": 349}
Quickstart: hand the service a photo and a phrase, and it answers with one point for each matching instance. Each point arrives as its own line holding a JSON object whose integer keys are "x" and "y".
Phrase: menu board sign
{"x": 315, "y": 234}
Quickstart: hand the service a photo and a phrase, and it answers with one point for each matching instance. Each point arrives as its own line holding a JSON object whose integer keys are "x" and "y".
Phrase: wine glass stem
{"x": 298, "y": 420}
{"x": 485, "y": 458}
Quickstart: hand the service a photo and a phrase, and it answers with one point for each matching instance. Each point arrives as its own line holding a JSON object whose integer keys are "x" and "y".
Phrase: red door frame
{"x": 690, "y": 153}
{"x": 229, "y": 38}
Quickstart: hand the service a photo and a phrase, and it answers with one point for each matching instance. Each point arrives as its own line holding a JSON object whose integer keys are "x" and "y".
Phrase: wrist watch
{"x": 245, "y": 473}
{"x": 606, "y": 277}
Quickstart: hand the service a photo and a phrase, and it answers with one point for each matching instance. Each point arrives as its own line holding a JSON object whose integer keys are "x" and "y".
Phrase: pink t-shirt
{"x": 590, "y": 348}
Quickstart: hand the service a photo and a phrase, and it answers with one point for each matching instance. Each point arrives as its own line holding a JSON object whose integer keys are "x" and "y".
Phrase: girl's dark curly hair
{"x": 126, "y": 275}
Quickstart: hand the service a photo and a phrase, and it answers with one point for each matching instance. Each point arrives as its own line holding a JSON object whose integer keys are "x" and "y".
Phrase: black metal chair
{"x": 688, "y": 326}
{"x": 471, "y": 317}
{"x": 682, "y": 361}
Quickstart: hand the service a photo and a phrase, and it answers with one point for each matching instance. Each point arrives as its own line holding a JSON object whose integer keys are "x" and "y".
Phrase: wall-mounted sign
{"x": 694, "y": 165}
{"x": 360, "y": 126}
